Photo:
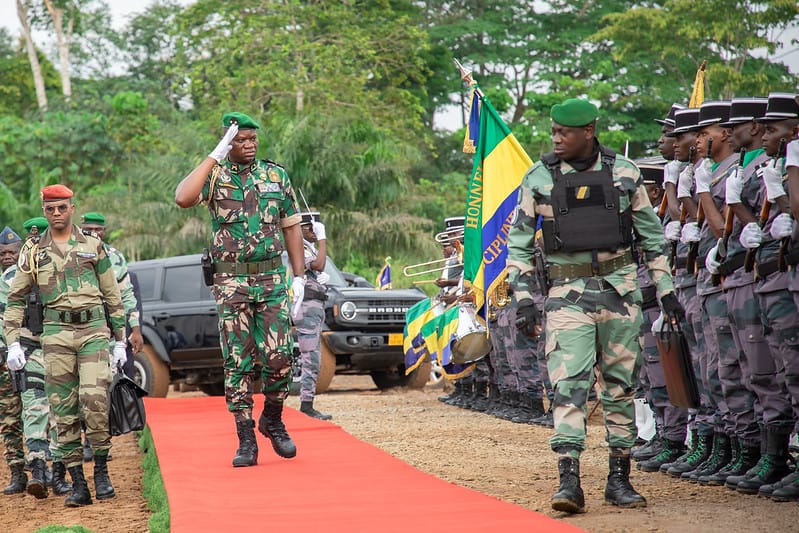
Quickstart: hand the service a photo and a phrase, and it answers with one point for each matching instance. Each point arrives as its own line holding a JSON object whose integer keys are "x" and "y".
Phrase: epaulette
{"x": 270, "y": 162}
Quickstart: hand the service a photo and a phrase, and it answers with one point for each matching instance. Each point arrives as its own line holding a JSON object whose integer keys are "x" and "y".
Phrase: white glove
{"x": 733, "y": 187}
{"x": 781, "y": 226}
{"x": 319, "y": 231}
{"x": 322, "y": 278}
{"x": 686, "y": 182}
{"x": 222, "y": 149}
{"x": 120, "y": 355}
{"x": 690, "y": 233}
{"x": 772, "y": 178}
{"x": 16, "y": 357}
{"x": 298, "y": 290}
{"x": 672, "y": 231}
{"x": 657, "y": 324}
{"x": 703, "y": 176}
{"x": 711, "y": 261}
{"x": 792, "y": 154}
{"x": 671, "y": 172}
{"x": 751, "y": 236}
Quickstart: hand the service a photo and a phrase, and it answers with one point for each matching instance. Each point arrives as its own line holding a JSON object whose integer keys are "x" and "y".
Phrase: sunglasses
{"x": 61, "y": 208}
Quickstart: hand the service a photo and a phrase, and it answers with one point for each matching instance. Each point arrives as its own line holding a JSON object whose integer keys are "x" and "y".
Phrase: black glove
{"x": 672, "y": 308}
{"x": 527, "y": 318}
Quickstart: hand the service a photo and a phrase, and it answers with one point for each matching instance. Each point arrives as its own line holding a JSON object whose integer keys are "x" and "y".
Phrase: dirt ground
{"x": 510, "y": 461}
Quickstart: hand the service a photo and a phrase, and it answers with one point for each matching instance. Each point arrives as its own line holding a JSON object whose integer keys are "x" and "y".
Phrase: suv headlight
{"x": 348, "y": 310}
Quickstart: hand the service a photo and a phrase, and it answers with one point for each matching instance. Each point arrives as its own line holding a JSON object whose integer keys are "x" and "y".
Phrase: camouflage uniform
{"x": 249, "y": 204}
{"x": 35, "y": 407}
{"x": 74, "y": 281}
{"x": 309, "y": 329}
{"x": 590, "y": 320}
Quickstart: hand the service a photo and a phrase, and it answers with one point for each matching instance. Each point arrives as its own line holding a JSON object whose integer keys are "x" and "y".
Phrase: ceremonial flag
{"x": 473, "y": 126}
{"x": 413, "y": 343}
{"x": 499, "y": 165}
{"x": 384, "y": 276}
{"x": 698, "y": 91}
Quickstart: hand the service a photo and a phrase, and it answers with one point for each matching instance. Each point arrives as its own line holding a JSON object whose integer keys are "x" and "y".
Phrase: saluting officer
{"x": 74, "y": 277}
{"x": 592, "y": 201}
{"x": 251, "y": 202}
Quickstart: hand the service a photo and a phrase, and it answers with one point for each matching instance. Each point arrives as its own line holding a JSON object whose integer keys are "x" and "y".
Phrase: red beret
{"x": 56, "y": 192}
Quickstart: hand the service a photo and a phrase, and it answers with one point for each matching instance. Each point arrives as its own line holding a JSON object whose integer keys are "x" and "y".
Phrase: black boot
{"x": 789, "y": 489}
{"x": 247, "y": 454}
{"x": 546, "y": 420}
{"x": 720, "y": 476}
{"x": 531, "y": 408}
{"x": 271, "y": 425}
{"x": 19, "y": 479}
{"x": 569, "y": 498}
{"x": 479, "y": 401}
{"x": 37, "y": 486}
{"x": 670, "y": 451}
{"x": 456, "y": 390}
{"x": 619, "y": 491}
{"x": 649, "y": 450}
{"x": 467, "y": 389}
{"x": 103, "y": 488}
{"x": 697, "y": 457}
{"x": 88, "y": 454}
{"x": 775, "y": 465}
{"x": 719, "y": 456}
{"x": 80, "y": 495}
{"x": 60, "y": 484}
{"x": 307, "y": 408}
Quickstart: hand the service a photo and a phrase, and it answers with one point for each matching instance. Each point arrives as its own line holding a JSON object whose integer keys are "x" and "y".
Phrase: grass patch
{"x": 153, "y": 483}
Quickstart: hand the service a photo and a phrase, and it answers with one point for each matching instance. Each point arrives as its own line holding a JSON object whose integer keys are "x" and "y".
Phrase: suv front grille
{"x": 382, "y": 312}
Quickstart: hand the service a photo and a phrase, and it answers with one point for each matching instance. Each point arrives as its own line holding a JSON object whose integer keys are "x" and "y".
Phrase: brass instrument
{"x": 411, "y": 271}
{"x": 500, "y": 296}
{"x": 449, "y": 236}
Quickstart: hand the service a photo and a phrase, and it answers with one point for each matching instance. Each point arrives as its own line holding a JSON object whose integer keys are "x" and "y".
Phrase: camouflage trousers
{"x": 761, "y": 374}
{"x": 503, "y": 339}
{"x": 592, "y": 326}
{"x": 702, "y": 421}
{"x": 717, "y": 335}
{"x": 77, "y": 375}
{"x": 254, "y": 330}
{"x": 781, "y": 326}
{"x": 671, "y": 421}
{"x": 36, "y": 408}
{"x": 522, "y": 356}
{"x": 309, "y": 337}
{"x": 10, "y": 421}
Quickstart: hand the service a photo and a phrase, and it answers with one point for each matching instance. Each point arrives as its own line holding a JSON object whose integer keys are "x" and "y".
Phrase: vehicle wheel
{"x": 387, "y": 379}
{"x": 213, "y": 389}
{"x": 150, "y": 372}
{"x": 419, "y": 377}
{"x": 327, "y": 368}
{"x": 436, "y": 378}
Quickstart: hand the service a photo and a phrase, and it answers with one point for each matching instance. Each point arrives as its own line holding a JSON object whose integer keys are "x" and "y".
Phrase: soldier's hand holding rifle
{"x": 16, "y": 357}
{"x": 672, "y": 308}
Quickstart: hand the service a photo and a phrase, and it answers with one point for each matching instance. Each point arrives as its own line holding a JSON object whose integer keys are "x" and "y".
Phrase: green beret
{"x": 39, "y": 222}
{"x": 574, "y": 112}
{"x": 94, "y": 218}
{"x": 241, "y": 119}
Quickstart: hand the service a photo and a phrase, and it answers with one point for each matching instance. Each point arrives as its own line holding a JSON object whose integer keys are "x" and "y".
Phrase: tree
{"x": 23, "y": 6}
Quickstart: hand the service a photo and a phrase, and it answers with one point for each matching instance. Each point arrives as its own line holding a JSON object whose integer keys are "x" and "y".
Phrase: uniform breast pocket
{"x": 228, "y": 204}
{"x": 270, "y": 195}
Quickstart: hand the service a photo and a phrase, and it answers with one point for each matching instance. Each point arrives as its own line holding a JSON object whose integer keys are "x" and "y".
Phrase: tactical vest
{"x": 586, "y": 209}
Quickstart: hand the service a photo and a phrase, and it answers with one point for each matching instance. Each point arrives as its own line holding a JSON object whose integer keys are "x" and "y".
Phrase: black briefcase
{"x": 675, "y": 358}
{"x": 126, "y": 408}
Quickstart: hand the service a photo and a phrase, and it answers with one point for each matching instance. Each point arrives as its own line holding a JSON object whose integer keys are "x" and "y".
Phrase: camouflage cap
{"x": 244, "y": 121}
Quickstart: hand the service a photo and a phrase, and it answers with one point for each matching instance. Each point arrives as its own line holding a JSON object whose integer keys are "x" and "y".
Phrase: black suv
{"x": 362, "y": 333}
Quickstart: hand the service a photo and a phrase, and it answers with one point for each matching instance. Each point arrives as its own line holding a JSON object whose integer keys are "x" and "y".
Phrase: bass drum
{"x": 471, "y": 340}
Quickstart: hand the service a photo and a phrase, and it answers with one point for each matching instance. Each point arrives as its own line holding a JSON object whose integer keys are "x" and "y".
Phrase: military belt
{"x": 75, "y": 317}
{"x": 240, "y": 268}
{"x": 557, "y": 272}
{"x": 731, "y": 265}
{"x": 700, "y": 262}
{"x": 680, "y": 262}
{"x": 311, "y": 294}
{"x": 764, "y": 270}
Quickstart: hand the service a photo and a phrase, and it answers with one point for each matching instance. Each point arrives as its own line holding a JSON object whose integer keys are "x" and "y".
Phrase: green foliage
{"x": 63, "y": 529}
{"x": 17, "y": 93}
{"x": 153, "y": 483}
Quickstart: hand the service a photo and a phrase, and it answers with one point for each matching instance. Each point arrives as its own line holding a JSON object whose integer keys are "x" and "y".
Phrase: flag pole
{"x": 466, "y": 76}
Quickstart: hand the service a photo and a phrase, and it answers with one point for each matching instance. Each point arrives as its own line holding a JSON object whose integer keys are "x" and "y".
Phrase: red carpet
{"x": 336, "y": 482}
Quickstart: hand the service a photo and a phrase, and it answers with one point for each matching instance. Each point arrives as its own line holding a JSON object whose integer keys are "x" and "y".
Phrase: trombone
{"x": 452, "y": 235}
{"x": 412, "y": 271}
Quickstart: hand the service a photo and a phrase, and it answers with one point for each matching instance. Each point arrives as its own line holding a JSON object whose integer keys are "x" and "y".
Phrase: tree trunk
{"x": 36, "y": 68}
{"x": 62, "y": 39}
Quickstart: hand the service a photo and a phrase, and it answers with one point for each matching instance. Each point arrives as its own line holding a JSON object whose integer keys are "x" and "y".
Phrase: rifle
{"x": 18, "y": 381}
{"x": 683, "y": 216}
{"x": 721, "y": 250}
{"x": 693, "y": 248}
{"x": 751, "y": 253}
